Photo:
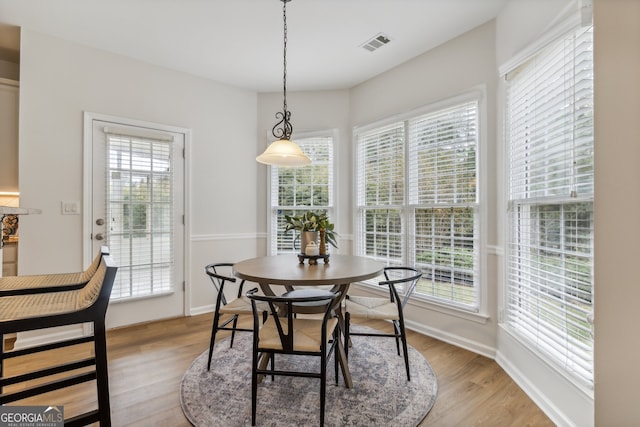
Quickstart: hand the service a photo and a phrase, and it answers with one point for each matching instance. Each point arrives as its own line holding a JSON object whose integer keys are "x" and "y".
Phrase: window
{"x": 300, "y": 189}
{"x": 549, "y": 117}
{"x": 417, "y": 198}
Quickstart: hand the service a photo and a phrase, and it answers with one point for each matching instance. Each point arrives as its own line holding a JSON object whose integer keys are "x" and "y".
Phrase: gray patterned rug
{"x": 381, "y": 395}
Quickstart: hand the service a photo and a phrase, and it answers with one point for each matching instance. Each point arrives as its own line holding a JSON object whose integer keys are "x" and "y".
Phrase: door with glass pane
{"x": 137, "y": 211}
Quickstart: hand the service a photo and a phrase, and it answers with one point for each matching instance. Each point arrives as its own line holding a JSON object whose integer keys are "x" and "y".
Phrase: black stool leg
{"x": 102, "y": 374}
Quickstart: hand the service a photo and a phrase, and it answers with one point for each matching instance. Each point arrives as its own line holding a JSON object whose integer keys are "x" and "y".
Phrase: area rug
{"x": 381, "y": 394}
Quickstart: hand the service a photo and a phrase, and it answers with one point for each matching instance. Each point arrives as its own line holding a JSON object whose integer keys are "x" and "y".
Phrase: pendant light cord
{"x": 284, "y": 152}
{"x": 284, "y": 73}
{"x": 286, "y": 130}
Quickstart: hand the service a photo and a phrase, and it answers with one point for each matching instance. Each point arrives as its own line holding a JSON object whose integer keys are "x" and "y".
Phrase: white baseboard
{"x": 452, "y": 339}
{"x": 566, "y": 403}
{"x": 46, "y": 336}
{"x": 548, "y": 407}
{"x": 203, "y": 309}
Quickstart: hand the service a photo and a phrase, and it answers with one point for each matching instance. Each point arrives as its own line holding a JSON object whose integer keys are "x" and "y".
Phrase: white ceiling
{"x": 240, "y": 42}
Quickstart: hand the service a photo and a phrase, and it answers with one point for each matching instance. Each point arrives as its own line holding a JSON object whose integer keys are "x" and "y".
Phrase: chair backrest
{"x": 97, "y": 292}
{"x": 407, "y": 277}
{"x": 219, "y": 273}
{"x": 288, "y": 302}
{"x": 90, "y": 271}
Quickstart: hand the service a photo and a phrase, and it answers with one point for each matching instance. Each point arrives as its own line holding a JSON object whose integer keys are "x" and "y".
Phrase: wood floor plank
{"x": 146, "y": 364}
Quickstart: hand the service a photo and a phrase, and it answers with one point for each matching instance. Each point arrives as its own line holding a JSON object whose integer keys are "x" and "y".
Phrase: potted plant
{"x": 313, "y": 222}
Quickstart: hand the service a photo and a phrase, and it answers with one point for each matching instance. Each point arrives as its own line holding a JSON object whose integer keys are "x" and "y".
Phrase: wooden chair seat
{"x": 40, "y": 280}
{"x": 22, "y": 285}
{"x": 307, "y": 334}
{"x": 240, "y": 305}
{"x": 51, "y": 303}
{"x": 371, "y": 308}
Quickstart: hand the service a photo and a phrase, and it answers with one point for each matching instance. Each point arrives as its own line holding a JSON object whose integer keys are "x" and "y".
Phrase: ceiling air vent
{"x": 376, "y": 42}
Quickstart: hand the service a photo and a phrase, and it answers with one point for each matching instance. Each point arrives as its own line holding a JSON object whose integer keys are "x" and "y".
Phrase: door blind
{"x": 140, "y": 214}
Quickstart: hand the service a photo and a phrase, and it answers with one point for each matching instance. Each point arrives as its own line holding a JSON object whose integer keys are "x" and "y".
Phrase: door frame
{"x": 87, "y": 179}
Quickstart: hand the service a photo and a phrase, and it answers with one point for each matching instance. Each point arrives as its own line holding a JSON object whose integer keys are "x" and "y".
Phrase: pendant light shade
{"x": 284, "y": 152}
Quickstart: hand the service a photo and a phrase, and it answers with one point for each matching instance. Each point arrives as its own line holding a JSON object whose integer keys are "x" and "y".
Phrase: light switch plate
{"x": 70, "y": 207}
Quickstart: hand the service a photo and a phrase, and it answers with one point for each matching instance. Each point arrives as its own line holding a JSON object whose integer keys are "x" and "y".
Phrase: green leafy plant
{"x": 312, "y": 221}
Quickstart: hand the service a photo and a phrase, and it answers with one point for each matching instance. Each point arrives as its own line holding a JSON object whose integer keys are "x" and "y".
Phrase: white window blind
{"x": 300, "y": 189}
{"x": 443, "y": 193}
{"x": 381, "y": 194}
{"x": 549, "y": 115}
{"x": 139, "y": 203}
{"x": 417, "y": 200}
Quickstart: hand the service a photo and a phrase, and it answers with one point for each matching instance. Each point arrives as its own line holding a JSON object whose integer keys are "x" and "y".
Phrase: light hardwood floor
{"x": 146, "y": 363}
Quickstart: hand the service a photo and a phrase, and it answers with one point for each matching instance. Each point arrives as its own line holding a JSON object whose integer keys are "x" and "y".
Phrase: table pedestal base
{"x": 313, "y": 259}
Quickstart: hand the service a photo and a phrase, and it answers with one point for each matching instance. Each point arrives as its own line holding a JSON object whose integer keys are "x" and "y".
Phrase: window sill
{"x": 141, "y": 297}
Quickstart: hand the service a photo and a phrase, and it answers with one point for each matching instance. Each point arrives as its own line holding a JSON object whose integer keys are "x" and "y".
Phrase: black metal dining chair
{"x": 390, "y": 308}
{"x": 220, "y": 275}
{"x": 287, "y": 334}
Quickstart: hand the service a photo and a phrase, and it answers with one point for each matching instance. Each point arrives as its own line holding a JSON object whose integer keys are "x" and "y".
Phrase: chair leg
{"x": 1, "y": 360}
{"x": 233, "y": 332}
{"x": 214, "y": 331}
{"x": 403, "y": 335}
{"x": 254, "y": 387}
{"x": 336, "y": 338}
{"x": 273, "y": 365}
{"x": 102, "y": 373}
{"x": 347, "y": 321}
{"x": 398, "y": 333}
{"x": 323, "y": 386}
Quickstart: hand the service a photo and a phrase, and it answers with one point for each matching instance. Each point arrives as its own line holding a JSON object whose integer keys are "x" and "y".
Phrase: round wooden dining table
{"x": 339, "y": 271}
{"x": 286, "y": 270}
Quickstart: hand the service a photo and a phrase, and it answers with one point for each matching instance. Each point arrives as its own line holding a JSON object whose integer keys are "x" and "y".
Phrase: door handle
{"x": 99, "y": 236}
{"x": 99, "y": 221}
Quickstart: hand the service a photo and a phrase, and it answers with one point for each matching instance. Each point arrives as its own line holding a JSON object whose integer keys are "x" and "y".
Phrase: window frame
{"x": 477, "y": 94}
{"x": 272, "y": 204}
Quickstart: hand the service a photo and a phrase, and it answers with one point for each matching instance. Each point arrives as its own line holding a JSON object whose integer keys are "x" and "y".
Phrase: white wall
{"x": 617, "y": 236}
{"x": 60, "y": 80}
{"x": 522, "y": 21}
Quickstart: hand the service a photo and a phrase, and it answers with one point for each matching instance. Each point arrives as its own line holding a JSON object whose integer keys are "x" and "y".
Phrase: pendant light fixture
{"x": 284, "y": 152}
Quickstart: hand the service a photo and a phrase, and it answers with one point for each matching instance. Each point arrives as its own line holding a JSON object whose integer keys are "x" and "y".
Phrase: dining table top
{"x": 286, "y": 270}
